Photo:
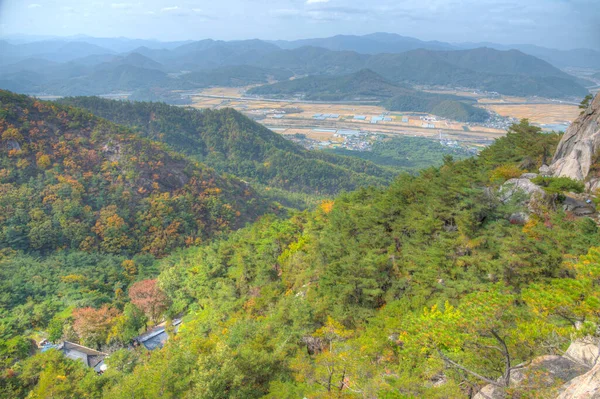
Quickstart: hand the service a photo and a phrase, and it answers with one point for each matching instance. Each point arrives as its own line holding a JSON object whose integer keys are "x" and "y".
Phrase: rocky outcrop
{"x": 586, "y": 386}
{"x": 584, "y": 351}
{"x": 521, "y": 185}
{"x": 577, "y": 149}
{"x": 578, "y": 370}
{"x": 544, "y": 372}
{"x": 578, "y": 206}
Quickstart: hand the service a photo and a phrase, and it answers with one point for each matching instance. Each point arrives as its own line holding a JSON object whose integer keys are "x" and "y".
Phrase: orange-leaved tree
{"x": 148, "y": 296}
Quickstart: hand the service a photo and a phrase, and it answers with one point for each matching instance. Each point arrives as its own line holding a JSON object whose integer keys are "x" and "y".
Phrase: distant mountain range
{"x": 99, "y": 66}
{"x": 392, "y": 43}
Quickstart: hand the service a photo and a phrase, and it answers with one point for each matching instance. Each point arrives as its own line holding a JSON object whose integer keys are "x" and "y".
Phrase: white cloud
{"x": 316, "y": 1}
{"x": 34, "y": 5}
{"x": 169, "y": 9}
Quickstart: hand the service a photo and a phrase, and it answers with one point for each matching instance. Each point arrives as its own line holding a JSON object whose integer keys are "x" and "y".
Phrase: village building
{"x": 157, "y": 336}
{"x": 88, "y": 356}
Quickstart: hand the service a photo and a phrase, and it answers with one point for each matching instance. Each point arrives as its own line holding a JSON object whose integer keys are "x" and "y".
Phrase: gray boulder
{"x": 520, "y": 185}
{"x": 545, "y": 171}
{"x": 519, "y": 218}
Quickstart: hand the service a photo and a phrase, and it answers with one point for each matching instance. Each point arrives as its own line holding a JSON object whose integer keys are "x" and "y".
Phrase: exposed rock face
{"x": 584, "y": 351}
{"x": 543, "y": 372}
{"x": 586, "y": 386}
{"x": 577, "y": 149}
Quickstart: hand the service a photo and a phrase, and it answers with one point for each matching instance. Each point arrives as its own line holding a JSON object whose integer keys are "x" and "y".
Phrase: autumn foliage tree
{"x": 148, "y": 296}
{"x": 112, "y": 229}
{"x": 93, "y": 325}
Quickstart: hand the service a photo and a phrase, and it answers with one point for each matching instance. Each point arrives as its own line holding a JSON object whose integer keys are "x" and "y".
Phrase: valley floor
{"x": 322, "y": 122}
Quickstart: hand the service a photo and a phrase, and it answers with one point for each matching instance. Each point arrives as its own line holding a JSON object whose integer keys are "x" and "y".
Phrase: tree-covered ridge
{"x": 253, "y": 61}
{"x": 101, "y": 74}
{"x": 230, "y": 142}
{"x": 422, "y": 289}
{"x": 70, "y": 180}
{"x": 367, "y": 85}
{"x": 362, "y": 85}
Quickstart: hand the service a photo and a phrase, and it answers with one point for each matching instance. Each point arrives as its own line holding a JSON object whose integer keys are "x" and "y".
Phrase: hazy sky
{"x": 553, "y": 23}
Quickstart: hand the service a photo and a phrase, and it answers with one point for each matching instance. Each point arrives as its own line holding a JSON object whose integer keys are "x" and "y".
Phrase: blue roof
{"x": 156, "y": 341}
{"x": 47, "y": 347}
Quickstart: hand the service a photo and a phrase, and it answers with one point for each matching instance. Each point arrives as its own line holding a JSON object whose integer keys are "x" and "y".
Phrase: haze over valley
{"x": 400, "y": 85}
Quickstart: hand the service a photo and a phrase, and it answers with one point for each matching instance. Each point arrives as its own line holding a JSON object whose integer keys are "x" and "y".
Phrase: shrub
{"x": 557, "y": 185}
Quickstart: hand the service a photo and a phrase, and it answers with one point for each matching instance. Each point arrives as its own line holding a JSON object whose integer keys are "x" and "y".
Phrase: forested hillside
{"x": 424, "y": 289}
{"x": 362, "y": 85}
{"x": 230, "y": 142}
{"x": 73, "y": 181}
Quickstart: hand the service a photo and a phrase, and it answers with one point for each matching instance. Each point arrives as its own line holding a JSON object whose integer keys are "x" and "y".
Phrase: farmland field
{"x": 291, "y": 117}
{"x": 537, "y": 113}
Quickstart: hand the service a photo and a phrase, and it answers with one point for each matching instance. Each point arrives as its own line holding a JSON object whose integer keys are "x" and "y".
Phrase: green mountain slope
{"x": 367, "y": 85}
{"x": 378, "y": 292}
{"x": 511, "y": 73}
{"x": 230, "y": 142}
{"x": 362, "y": 85}
{"x": 70, "y": 180}
{"x": 507, "y": 72}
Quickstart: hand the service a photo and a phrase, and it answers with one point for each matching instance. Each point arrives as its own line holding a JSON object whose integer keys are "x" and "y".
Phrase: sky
{"x": 552, "y": 23}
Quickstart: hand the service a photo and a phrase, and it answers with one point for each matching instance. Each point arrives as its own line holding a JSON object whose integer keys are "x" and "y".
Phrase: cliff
{"x": 576, "y": 155}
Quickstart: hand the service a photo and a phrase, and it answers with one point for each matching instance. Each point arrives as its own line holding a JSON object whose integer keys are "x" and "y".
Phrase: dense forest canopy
{"x": 73, "y": 181}
{"x": 230, "y": 142}
{"x": 381, "y": 292}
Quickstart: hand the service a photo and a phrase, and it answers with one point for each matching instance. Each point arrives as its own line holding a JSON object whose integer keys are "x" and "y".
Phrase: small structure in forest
{"x": 157, "y": 336}
{"x": 88, "y": 356}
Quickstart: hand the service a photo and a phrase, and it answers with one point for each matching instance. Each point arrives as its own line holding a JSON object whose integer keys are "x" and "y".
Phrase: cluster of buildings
{"x": 496, "y": 121}
{"x": 322, "y": 117}
{"x": 381, "y": 118}
{"x": 384, "y": 117}
{"x": 447, "y": 142}
{"x": 152, "y": 339}
{"x": 428, "y": 121}
{"x": 355, "y": 140}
